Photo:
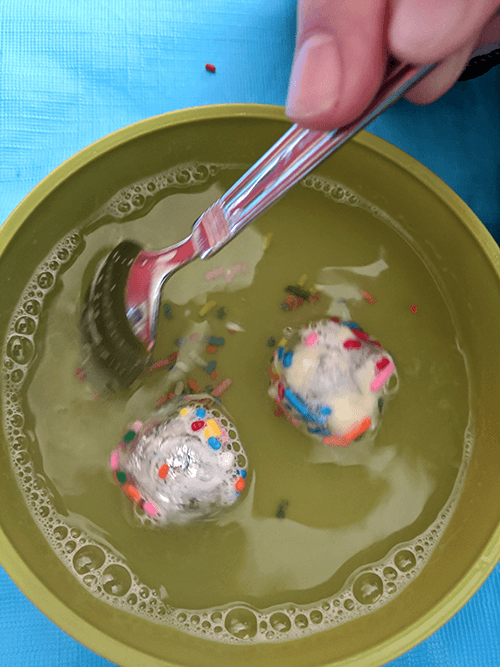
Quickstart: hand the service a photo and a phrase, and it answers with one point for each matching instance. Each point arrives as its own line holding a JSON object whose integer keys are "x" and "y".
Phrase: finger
{"x": 441, "y": 79}
{"x": 426, "y": 31}
{"x": 339, "y": 61}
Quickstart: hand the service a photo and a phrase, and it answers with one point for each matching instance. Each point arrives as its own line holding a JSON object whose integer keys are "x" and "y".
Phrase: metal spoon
{"x": 120, "y": 310}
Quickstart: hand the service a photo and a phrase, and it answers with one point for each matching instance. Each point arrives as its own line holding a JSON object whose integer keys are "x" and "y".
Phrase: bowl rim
{"x": 42, "y": 597}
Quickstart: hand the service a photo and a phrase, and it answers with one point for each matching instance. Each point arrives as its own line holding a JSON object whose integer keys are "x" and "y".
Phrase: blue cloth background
{"x": 70, "y": 73}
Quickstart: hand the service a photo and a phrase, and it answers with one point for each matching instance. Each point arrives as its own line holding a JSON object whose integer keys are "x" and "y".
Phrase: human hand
{"x": 342, "y": 49}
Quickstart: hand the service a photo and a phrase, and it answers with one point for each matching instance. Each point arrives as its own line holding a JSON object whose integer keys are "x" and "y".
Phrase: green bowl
{"x": 468, "y": 260}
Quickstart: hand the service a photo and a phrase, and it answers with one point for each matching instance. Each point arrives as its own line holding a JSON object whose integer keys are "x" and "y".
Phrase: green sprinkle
{"x": 129, "y": 436}
{"x": 121, "y": 477}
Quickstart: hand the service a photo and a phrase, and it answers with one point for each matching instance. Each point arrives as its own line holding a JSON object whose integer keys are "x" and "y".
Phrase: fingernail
{"x": 315, "y": 79}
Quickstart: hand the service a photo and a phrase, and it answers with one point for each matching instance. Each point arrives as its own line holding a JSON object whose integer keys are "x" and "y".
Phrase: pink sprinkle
{"x": 136, "y": 426}
{"x": 151, "y": 345}
{"x": 159, "y": 364}
{"x": 193, "y": 336}
{"x": 382, "y": 377}
{"x": 414, "y": 309}
{"x": 113, "y": 460}
{"x": 221, "y": 388}
{"x": 150, "y": 509}
{"x": 311, "y": 339}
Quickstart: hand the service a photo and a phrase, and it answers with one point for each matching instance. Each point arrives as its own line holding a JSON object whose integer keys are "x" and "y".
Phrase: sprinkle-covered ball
{"x": 186, "y": 464}
{"x": 331, "y": 379}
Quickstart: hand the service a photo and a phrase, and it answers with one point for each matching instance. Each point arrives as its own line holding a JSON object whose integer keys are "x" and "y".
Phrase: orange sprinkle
{"x": 357, "y": 430}
{"x": 334, "y": 441}
{"x": 161, "y": 400}
{"x": 192, "y": 384}
{"x": 221, "y": 388}
{"x": 163, "y": 471}
{"x": 132, "y": 492}
{"x": 213, "y": 375}
{"x": 274, "y": 376}
{"x": 368, "y": 297}
{"x": 239, "y": 484}
{"x": 173, "y": 357}
{"x": 211, "y": 349}
{"x": 278, "y": 412}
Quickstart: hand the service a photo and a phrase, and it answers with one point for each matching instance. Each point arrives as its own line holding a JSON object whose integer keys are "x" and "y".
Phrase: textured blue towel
{"x": 71, "y": 72}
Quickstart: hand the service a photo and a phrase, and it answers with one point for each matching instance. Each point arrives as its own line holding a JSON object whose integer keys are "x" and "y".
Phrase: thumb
{"x": 339, "y": 61}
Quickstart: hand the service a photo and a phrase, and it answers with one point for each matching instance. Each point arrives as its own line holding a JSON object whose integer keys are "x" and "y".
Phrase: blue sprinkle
{"x": 201, "y": 413}
{"x": 243, "y": 473}
{"x": 168, "y": 312}
{"x": 296, "y": 402}
{"x": 352, "y": 325}
{"x": 211, "y": 367}
{"x": 325, "y": 410}
{"x": 287, "y": 359}
{"x": 280, "y": 352}
{"x": 179, "y": 342}
{"x": 213, "y": 340}
{"x": 214, "y": 443}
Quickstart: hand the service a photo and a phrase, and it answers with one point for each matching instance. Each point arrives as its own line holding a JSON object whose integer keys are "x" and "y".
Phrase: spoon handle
{"x": 293, "y": 156}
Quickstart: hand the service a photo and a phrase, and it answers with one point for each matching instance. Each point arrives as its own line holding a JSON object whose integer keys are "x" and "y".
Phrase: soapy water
{"x": 104, "y": 574}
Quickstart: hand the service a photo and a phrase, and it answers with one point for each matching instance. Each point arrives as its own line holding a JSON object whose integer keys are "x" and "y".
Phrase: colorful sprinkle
{"x": 281, "y": 391}
{"x": 380, "y": 405}
{"x": 311, "y": 339}
{"x": 132, "y": 492}
{"x": 335, "y": 319}
{"x": 179, "y": 342}
{"x": 281, "y": 351}
{"x": 161, "y": 400}
{"x": 217, "y": 341}
{"x": 150, "y": 509}
{"x": 212, "y": 428}
{"x": 209, "y": 67}
{"x": 168, "y": 312}
{"x": 357, "y": 430}
{"x": 382, "y": 363}
{"x": 113, "y": 460}
{"x": 296, "y": 402}
{"x": 220, "y": 388}
{"x": 214, "y": 442}
{"x": 280, "y": 514}
{"x": 210, "y": 367}
{"x": 129, "y": 436}
{"x": 414, "y": 309}
{"x": 273, "y": 374}
{"x": 195, "y": 426}
{"x": 302, "y": 280}
{"x": 368, "y": 297}
{"x": 121, "y": 477}
{"x": 352, "y": 344}
{"x": 298, "y": 292}
{"x": 243, "y": 473}
{"x": 207, "y": 308}
{"x": 163, "y": 471}
{"x": 382, "y": 377}
{"x": 287, "y": 359}
{"x": 334, "y": 441}
{"x": 361, "y": 334}
{"x": 184, "y": 411}
{"x": 200, "y": 413}
{"x": 221, "y": 313}
{"x": 351, "y": 325}
{"x": 239, "y": 484}
{"x": 267, "y": 240}
{"x": 278, "y": 412}
{"x": 213, "y": 375}
{"x": 192, "y": 384}
{"x": 271, "y": 342}
{"x": 211, "y": 349}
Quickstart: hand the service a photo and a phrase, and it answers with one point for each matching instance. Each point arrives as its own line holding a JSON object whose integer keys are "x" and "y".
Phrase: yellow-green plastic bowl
{"x": 468, "y": 260}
